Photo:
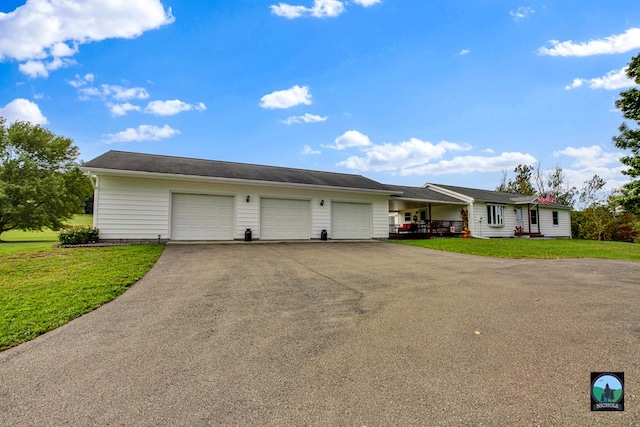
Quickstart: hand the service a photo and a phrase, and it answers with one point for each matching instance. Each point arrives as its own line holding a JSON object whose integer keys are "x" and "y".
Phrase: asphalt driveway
{"x": 345, "y": 334}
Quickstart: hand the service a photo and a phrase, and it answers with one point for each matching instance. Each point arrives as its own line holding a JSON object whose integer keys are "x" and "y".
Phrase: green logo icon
{"x": 607, "y": 391}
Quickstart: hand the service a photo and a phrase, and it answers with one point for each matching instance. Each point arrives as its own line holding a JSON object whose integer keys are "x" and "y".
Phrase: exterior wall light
{"x": 248, "y": 199}
{"x": 321, "y": 202}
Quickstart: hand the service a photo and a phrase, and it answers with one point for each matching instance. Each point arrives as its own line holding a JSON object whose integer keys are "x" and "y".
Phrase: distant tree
{"x": 557, "y": 186}
{"x": 520, "y": 184}
{"x": 597, "y": 220}
{"x": 629, "y": 139}
{"x": 41, "y": 185}
{"x": 503, "y": 182}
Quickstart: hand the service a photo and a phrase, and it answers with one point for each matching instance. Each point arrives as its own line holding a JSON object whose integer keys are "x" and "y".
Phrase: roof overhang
{"x": 397, "y": 204}
{"x": 233, "y": 181}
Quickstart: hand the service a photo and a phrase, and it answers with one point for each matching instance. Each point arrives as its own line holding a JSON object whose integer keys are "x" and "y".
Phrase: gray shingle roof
{"x": 153, "y": 163}
{"x": 494, "y": 196}
{"x": 426, "y": 194}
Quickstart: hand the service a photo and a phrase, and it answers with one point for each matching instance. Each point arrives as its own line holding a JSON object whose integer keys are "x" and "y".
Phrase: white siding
{"x": 446, "y": 212}
{"x": 380, "y": 210}
{"x": 321, "y": 214}
{"x": 140, "y": 208}
{"x": 132, "y": 209}
{"x": 247, "y": 213}
{"x": 563, "y": 229}
{"x": 480, "y": 228}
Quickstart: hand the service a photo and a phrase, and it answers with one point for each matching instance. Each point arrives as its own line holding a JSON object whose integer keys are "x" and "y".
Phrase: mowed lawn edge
{"x": 41, "y": 290}
{"x": 532, "y": 248}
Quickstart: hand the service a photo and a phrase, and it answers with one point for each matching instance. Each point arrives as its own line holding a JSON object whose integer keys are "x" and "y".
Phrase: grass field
{"x": 533, "y": 248}
{"x": 43, "y": 289}
{"x": 45, "y": 235}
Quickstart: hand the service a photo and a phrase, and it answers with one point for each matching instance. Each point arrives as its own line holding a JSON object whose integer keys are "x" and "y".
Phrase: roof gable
{"x": 489, "y": 196}
{"x": 170, "y": 165}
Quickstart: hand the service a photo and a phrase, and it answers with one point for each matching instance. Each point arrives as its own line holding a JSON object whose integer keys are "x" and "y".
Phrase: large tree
{"x": 520, "y": 184}
{"x": 41, "y": 185}
{"x": 629, "y": 139}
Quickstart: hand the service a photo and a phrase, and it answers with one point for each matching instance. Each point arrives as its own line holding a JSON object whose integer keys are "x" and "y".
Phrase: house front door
{"x": 519, "y": 222}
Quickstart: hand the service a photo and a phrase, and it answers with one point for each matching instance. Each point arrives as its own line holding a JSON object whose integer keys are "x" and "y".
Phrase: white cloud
{"x": 319, "y": 9}
{"x": 60, "y": 50}
{"x": 351, "y": 138}
{"x": 469, "y": 164}
{"x": 464, "y": 52}
{"x": 522, "y": 12}
{"x": 393, "y": 157}
{"x": 588, "y": 161}
{"x": 36, "y": 69}
{"x": 52, "y": 29}
{"x": 418, "y": 157}
{"x": 613, "y": 80}
{"x": 116, "y": 92}
{"x": 619, "y": 43}
{"x": 309, "y": 151}
{"x": 142, "y": 133}
{"x": 79, "y": 81}
{"x": 588, "y": 156}
{"x": 367, "y": 3}
{"x": 288, "y": 11}
{"x": 288, "y": 98}
{"x": 172, "y": 107}
{"x": 24, "y": 110}
{"x": 122, "y": 109}
{"x": 307, "y": 118}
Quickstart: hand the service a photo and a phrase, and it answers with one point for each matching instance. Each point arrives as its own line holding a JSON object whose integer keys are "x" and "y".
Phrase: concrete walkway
{"x": 348, "y": 334}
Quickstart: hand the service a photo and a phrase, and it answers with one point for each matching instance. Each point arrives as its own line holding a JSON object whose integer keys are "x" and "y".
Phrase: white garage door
{"x": 284, "y": 219}
{"x": 350, "y": 221}
{"x": 201, "y": 217}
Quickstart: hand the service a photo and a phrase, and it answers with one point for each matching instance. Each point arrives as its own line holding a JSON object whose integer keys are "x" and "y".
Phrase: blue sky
{"x": 401, "y": 91}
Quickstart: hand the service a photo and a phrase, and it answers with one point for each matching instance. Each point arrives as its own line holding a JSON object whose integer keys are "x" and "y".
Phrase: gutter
{"x": 236, "y": 181}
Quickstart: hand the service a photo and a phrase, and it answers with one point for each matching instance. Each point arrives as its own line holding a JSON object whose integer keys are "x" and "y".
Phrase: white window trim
{"x": 495, "y": 215}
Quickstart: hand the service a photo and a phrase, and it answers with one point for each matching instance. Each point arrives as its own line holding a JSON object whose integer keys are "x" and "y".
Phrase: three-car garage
{"x": 211, "y": 217}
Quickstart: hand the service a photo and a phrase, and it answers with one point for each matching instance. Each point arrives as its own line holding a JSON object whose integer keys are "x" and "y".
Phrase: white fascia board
{"x": 167, "y": 176}
{"x": 406, "y": 199}
{"x": 450, "y": 193}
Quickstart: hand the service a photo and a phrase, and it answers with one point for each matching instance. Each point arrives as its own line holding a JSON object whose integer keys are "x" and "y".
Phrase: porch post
{"x": 429, "y": 218}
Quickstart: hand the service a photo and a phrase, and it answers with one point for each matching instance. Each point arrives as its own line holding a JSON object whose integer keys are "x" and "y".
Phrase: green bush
{"x": 79, "y": 235}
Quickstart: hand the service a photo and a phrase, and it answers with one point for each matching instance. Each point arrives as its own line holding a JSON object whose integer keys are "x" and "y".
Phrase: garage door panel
{"x": 350, "y": 220}
{"x": 202, "y": 217}
{"x": 285, "y": 219}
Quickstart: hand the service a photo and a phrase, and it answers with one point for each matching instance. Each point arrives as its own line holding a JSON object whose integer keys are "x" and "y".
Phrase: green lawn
{"x": 46, "y": 235}
{"x": 43, "y": 289}
{"x": 18, "y": 240}
{"x": 532, "y": 248}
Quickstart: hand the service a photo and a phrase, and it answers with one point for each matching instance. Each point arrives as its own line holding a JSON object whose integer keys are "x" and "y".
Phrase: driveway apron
{"x": 352, "y": 333}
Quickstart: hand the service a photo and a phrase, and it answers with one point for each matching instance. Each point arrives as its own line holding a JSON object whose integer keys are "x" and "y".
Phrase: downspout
{"x": 95, "y": 183}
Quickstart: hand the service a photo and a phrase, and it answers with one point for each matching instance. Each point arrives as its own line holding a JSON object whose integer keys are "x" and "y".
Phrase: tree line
{"x": 600, "y": 214}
